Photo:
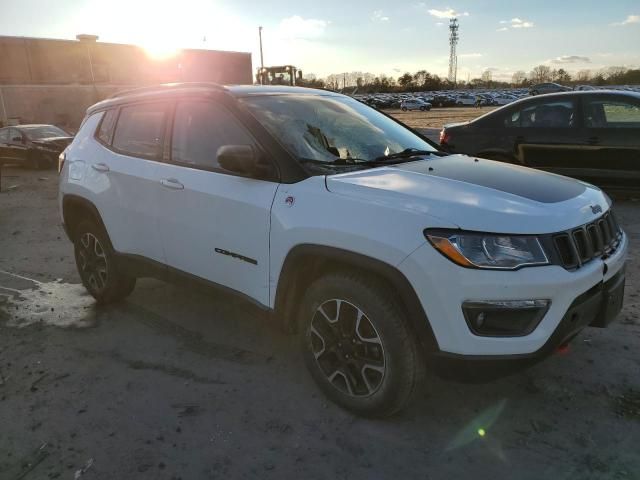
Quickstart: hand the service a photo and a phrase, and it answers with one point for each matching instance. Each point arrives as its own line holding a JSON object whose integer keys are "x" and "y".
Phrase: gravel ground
{"x": 436, "y": 117}
{"x": 173, "y": 384}
{"x": 430, "y": 123}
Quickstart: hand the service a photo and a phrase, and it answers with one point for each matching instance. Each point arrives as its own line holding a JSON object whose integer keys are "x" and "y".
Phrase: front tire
{"x": 95, "y": 260}
{"x": 357, "y": 345}
{"x": 404, "y": 109}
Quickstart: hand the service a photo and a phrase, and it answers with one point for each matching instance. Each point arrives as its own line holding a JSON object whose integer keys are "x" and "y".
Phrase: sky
{"x": 334, "y": 36}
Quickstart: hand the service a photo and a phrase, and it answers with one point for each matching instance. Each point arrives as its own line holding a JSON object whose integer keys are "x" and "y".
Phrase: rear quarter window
{"x": 105, "y": 129}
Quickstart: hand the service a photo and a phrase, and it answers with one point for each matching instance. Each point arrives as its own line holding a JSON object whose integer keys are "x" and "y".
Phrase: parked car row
{"x": 478, "y": 98}
{"x": 450, "y": 98}
{"x": 590, "y": 135}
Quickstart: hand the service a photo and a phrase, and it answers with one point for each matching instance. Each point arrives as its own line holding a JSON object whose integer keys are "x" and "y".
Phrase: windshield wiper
{"x": 406, "y": 153}
{"x": 338, "y": 162}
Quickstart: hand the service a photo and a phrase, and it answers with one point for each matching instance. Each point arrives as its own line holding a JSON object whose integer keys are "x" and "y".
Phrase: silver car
{"x": 414, "y": 105}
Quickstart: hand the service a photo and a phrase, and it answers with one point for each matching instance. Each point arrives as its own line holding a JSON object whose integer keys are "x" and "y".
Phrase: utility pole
{"x": 453, "y": 56}
{"x": 261, "y": 56}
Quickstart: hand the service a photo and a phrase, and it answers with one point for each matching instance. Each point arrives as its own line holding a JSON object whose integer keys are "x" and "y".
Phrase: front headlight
{"x": 487, "y": 250}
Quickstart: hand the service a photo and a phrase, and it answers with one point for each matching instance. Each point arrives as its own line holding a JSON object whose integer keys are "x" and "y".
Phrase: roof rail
{"x": 166, "y": 86}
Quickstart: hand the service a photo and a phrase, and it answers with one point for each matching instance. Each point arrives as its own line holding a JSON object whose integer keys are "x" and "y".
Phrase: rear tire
{"x": 404, "y": 109}
{"x": 357, "y": 345}
{"x": 96, "y": 263}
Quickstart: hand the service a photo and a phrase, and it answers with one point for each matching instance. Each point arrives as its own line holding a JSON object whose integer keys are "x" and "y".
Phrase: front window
{"x": 140, "y": 129}
{"x": 611, "y": 114}
{"x": 47, "y": 131}
{"x": 334, "y": 131}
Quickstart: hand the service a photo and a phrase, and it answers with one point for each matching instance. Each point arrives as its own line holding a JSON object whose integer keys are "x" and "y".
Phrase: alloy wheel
{"x": 347, "y": 348}
{"x": 93, "y": 261}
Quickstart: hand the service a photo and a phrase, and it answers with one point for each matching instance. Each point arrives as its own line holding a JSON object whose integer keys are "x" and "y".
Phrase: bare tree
{"x": 541, "y": 73}
{"x": 614, "y": 72}
{"x": 486, "y": 77}
{"x": 518, "y": 78}
{"x": 583, "y": 76}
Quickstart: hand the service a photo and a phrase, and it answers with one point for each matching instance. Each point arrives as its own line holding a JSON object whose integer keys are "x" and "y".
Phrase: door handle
{"x": 172, "y": 183}
{"x": 593, "y": 140}
{"x": 100, "y": 167}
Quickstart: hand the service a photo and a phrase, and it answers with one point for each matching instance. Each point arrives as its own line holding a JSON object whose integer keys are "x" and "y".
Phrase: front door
{"x": 613, "y": 133}
{"x": 17, "y": 151}
{"x": 4, "y": 145}
{"x": 550, "y": 137}
{"x": 214, "y": 224}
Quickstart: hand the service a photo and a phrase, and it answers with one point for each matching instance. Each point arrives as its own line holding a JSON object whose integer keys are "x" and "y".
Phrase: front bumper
{"x": 596, "y": 307}
{"x": 442, "y": 287}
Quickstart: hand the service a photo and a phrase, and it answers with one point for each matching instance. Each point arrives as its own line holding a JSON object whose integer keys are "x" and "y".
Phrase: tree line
{"x": 422, "y": 80}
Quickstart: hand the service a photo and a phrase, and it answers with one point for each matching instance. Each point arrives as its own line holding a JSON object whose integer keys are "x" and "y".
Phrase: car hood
{"x": 477, "y": 194}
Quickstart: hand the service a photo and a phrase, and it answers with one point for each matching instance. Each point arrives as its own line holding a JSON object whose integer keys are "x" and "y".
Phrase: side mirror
{"x": 241, "y": 159}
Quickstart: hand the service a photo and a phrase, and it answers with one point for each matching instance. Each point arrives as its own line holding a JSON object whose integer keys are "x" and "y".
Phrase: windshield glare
{"x": 332, "y": 129}
{"x": 50, "y": 131}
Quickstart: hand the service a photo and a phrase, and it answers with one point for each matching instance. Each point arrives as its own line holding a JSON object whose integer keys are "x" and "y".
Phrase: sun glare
{"x": 160, "y": 49}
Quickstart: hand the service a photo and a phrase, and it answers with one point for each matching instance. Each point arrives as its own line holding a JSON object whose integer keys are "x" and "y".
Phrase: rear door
{"x": 124, "y": 176}
{"x": 612, "y": 124}
{"x": 215, "y": 224}
{"x": 550, "y": 135}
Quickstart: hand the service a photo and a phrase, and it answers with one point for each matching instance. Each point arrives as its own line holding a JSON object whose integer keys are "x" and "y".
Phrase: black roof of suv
{"x": 171, "y": 89}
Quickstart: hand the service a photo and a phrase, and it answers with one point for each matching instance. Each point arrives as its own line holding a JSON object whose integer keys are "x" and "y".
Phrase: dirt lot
{"x": 177, "y": 385}
{"x": 437, "y": 117}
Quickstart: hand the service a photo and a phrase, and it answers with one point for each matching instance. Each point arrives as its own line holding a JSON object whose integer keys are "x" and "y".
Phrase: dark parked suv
{"x": 591, "y": 135}
{"x": 542, "y": 88}
{"x": 36, "y": 146}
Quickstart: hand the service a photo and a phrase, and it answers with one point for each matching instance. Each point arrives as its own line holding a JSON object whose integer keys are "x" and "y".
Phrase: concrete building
{"x": 54, "y": 81}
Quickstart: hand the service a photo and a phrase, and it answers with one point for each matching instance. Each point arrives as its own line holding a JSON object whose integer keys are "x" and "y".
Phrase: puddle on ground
{"x": 64, "y": 305}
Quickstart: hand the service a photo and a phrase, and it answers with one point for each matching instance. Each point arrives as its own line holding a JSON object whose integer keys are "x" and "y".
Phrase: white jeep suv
{"x": 383, "y": 253}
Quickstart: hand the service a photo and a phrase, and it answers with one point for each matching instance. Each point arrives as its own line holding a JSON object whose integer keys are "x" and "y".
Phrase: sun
{"x": 160, "y": 49}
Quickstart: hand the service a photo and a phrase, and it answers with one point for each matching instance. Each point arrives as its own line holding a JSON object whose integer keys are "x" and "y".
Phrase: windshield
{"x": 333, "y": 130}
{"x": 47, "y": 131}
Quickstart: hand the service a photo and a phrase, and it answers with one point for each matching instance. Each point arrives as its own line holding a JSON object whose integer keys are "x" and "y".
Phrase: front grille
{"x": 597, "y": 239}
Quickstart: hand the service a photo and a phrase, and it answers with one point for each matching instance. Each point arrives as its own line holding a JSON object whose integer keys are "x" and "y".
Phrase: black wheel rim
{"x": 347, "y": 348}
{"x": 92, "y": 261}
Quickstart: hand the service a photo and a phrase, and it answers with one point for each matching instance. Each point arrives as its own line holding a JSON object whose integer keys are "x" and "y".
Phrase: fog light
{"x": 504, "y": 318}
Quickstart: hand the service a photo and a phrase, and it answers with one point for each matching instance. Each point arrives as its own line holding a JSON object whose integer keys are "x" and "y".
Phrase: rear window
{"x": 555, "y": 114}
{"x": 140, "y": 130}
{"x": 106, "y": 127}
